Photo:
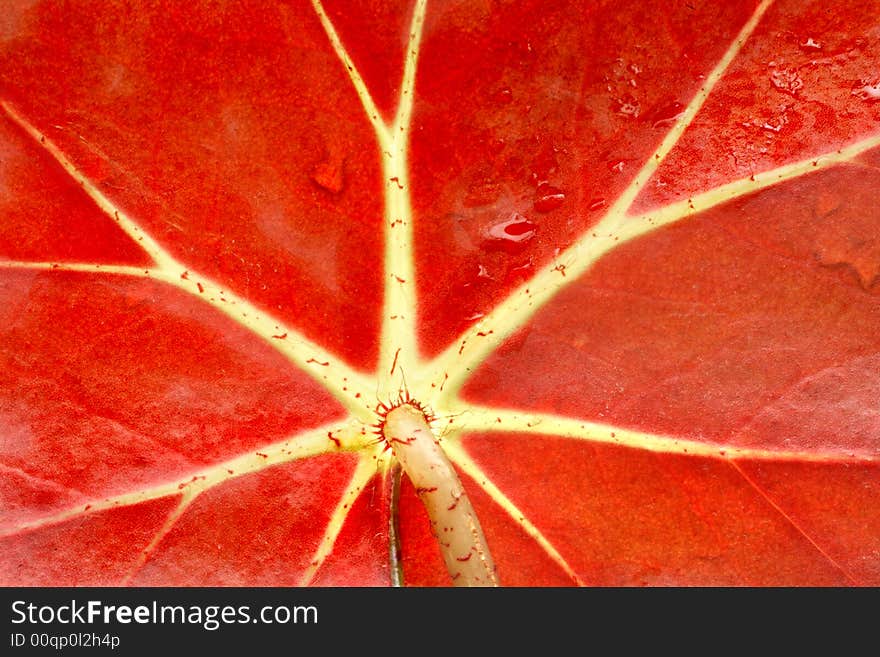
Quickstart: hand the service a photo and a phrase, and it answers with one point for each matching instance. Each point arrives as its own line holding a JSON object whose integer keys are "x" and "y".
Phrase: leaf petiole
{"x": 453, "y": 519}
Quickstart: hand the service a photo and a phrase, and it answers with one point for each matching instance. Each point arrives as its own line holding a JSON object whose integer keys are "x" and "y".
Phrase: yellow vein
{"x": 328, "y": 439}
{"x": 92, "y": 268}
{"x": 354, "y": 75}
{"x": 453, "y": 366}
{"x": 460, "y": 458}
{"x": 485, "y": 419}
{"x": 349, "y": 387}
{"x": 793, "y": 523}
{"x": 126, "y": 223}
{"x": 397, "y": 343}
{"x": 397, "y": 351}
{"x": 405, "y": 103}
{"x": 635, "y": 226}
{"x": 365, "y": 470}
{"x": 185, "y": 500}
{"x": 623, "y": 203}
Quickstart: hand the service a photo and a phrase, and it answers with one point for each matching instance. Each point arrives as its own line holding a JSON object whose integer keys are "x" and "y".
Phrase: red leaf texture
{"x": 626, "y": 254}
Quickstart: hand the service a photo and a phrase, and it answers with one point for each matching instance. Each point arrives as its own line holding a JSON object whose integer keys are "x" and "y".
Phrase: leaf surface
{"x": 626, "y": 254}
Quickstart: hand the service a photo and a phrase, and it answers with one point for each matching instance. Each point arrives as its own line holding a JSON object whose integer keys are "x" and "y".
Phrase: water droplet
{"x": 328, "y": 175}
{"x": 512, "y": 234}
{"x": 517, "y": 228}
{"x": 774, "y": 127}
{"x": 548, "y": 198}
{"x": 811, "y": 44}
{"x": 786, "y": 81}
{"x": 597, "y": 203}
{"x": 616, "y": 165}
{"x": 628, "y": 106}
{"x": 868, "y": 92}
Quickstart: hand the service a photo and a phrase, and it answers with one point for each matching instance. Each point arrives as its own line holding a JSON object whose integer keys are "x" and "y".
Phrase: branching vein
{"x": 461, "y": 459}
{"x": 398, "y": 352}
{"x": 185, "y": 500}
{"x": 354, "y": 75}
{"x": 474, "y": 418}
{"x": 364, "y": 471}
{"x": 455, "y": 365}
{"x": 350, "y": 388}
{"x": 330, "y": 438}
{"x": 439, "y": 381}
{"x": 654, "y": 219}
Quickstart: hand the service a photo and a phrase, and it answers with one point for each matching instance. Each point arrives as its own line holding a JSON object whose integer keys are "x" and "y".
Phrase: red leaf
{"x": 623, "y": 258}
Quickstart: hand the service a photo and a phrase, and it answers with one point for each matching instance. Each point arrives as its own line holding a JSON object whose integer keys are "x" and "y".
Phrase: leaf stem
{"x": 453, "y": 520}
{"x": 394, "y": 547}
